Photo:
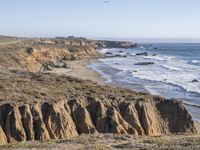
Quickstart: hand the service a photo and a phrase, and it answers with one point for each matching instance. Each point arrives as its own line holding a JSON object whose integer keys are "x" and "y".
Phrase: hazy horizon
{"x": 129, "y": 19}
{"x": 134, "y": 39}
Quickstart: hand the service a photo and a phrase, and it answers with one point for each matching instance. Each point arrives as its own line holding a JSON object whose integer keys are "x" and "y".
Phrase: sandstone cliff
{"x": 36, "y": 57}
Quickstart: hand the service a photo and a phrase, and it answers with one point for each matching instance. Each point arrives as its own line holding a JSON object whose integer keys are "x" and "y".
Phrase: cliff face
{"x": 36, "y": 58}
{"x": 68, "y": 119}
{"x": 40, "y": 58}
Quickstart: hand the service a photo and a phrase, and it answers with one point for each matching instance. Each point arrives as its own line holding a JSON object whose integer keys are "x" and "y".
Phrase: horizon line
{"x": 131, "y": 39}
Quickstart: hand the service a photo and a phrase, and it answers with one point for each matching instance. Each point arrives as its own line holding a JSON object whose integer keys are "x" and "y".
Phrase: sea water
{"x": 173, "y": 71}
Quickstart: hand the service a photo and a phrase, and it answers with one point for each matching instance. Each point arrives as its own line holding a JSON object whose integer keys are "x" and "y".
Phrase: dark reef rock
{"x": 195, "y": 80}
{"x": 108, "y": 53}
{"x": 142, "y": 54}
{"x": 144, "y": 63}
{"x": 119, "y": 55}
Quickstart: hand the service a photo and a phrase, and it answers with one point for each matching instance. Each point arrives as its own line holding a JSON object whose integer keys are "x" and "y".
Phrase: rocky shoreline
{"x": 37, "y": 104}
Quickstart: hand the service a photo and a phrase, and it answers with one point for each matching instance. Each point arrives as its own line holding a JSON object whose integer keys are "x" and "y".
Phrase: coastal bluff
{"x": 47, "y": 106}
{"x": 36, "y": 104}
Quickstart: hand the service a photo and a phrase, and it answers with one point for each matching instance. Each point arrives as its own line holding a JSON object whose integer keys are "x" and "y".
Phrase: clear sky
{"x": 96, "y": 18}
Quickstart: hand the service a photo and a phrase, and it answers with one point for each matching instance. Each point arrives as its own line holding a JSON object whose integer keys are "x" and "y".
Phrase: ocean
{"x": 167, "y": 70}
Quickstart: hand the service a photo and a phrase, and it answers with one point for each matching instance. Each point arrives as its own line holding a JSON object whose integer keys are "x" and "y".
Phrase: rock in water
{"x": 108, "y": 53}
{"x": 144, "y": 63}
{"x": 195, "y": 80}
{"x": 142, "y": 54}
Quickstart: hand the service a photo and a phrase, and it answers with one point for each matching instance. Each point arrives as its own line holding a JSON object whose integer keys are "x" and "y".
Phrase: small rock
{"x": 195, "y": 80}
{"x": 56, "y": 64}
{"x": 120, "y": 51}
{"x": 65, "y": 65}
{"x": 118, "y": 55}
{"x": 108, "y": 53}
{"x": 142, "y": 54}
{"x": 135, "y": 71}
{"x": 49, "y": 68}
{"x": 29, "y": 50}
{"x": 144, "y": 63}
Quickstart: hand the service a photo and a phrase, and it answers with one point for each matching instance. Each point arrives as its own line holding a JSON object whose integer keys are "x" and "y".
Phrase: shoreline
{"x": 80, "y": 69}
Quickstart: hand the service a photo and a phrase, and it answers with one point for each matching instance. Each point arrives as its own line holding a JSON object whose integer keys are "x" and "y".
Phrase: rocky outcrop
{"x": 73, "y": 41}
{"x": 44, "y": 54}
{"x": 114, "y": 44}
{"x": 46, "y": 58}
{"x": 70, "y": 118}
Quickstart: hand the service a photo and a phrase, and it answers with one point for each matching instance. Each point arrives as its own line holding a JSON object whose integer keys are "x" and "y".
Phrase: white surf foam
{"x": 104, "y": 50}
{"x": 195, "y": 62}
{"x": 167, "y": 69}
{"x": 182, "y": 78}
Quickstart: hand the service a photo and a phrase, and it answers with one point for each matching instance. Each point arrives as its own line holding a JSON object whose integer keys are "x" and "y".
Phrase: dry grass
{"x": 111, "y": 141}
{"x": 29, "y": 87}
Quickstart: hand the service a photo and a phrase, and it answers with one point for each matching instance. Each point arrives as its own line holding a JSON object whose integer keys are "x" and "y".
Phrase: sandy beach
{"x": 80, "y": 70}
